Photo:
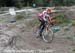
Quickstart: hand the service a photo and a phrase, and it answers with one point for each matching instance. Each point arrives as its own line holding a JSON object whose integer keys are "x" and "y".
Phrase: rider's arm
{"x": 54, "y": 16}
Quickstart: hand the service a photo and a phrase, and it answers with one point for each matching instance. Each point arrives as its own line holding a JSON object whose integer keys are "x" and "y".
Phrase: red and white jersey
{"x": 44, "y": 15}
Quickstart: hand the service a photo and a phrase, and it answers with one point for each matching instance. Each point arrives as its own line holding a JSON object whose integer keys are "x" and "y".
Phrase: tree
{"x": 38, "y": 2}
{"x": 46, "y": 2}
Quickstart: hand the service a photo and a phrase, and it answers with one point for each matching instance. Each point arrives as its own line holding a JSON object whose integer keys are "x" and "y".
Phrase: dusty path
{"x": 26, "y": 40}
{"x": 59, "y": 45}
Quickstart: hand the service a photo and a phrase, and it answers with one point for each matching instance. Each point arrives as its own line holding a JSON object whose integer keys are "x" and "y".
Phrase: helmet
{"x": 48, "y": 10}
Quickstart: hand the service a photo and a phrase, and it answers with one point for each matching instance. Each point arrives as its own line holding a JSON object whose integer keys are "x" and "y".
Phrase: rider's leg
{"x": 41, "y": 23}
{"x": 42, "y": 28}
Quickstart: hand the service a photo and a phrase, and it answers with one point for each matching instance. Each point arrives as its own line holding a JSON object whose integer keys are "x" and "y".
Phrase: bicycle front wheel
{"x": 47, "y": 35}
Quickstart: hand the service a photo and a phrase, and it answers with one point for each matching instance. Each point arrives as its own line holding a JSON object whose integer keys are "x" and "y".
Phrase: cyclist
{"x": 43, "y": 18}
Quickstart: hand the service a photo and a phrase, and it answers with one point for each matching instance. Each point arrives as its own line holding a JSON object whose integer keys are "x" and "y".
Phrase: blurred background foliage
{"x": 22, "y": 3}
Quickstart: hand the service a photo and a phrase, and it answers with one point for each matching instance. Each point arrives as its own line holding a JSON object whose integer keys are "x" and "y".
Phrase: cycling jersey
{"x": 43, "y": 16}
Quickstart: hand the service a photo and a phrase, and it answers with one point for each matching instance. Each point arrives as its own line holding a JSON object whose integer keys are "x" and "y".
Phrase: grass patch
{"x": 73, "y": 22}
{"x": 73, "y": 50}
{"x": 18, "y": 17}
{"x": 61, "y": 19}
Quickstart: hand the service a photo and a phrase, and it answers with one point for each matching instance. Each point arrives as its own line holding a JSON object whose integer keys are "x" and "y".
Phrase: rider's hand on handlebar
{"x": 49, "y": 20}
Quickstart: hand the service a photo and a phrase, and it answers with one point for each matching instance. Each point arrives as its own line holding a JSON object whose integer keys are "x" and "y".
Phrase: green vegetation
{"x": 19, "y": 5}
{"x": 22, "y": 3}
{"x": 60, "y": 19}
{"x": 18, "y": 17}
{"x": 38, "y": 2}
{"x": 73, "y": 50}
{"x": 73, "y": 22}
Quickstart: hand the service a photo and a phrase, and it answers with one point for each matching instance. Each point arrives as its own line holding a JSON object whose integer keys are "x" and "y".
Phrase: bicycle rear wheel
{"x": 47, "y": 35}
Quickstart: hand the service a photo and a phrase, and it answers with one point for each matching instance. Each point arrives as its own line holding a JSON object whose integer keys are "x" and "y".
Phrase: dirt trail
{"x": 59, "y": 45}
{"x": 26, "y": 39}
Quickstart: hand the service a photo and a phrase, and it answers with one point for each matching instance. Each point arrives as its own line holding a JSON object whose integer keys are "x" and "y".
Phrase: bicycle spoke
{"x": 48, "y": 35}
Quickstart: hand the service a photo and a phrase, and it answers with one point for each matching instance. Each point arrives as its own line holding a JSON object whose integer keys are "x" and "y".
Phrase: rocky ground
{"x": 26, "y": 39}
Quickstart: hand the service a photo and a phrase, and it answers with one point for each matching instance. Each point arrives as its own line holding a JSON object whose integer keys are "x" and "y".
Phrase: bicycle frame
{"x": 47, "y": 37}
